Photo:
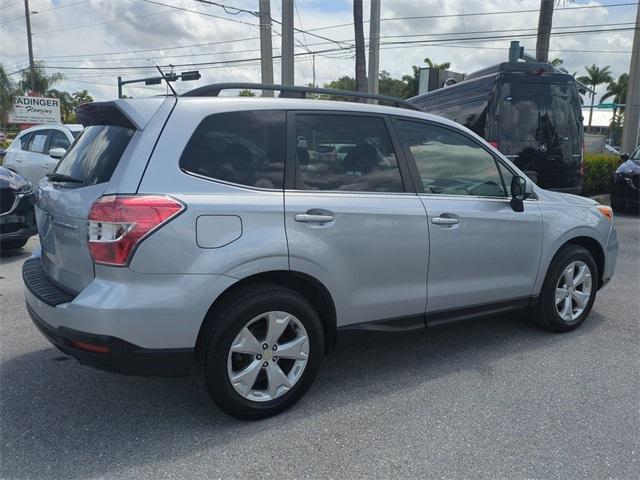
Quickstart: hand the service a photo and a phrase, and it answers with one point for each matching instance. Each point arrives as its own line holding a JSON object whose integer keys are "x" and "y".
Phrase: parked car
{"x": 161, "y": 253}
{"x": 529, "y": 111}
{"x": 36, "y": 151}
{"x": 625, "y": 193}
{"x": 17, "y": 219}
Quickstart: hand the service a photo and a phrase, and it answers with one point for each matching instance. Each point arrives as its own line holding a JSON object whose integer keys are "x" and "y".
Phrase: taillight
{"x": 117, "y": 224}
{"x": 494, "y": 144}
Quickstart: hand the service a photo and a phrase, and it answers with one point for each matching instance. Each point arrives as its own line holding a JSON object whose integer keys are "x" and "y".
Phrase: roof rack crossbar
{"x": 293, "y": 91}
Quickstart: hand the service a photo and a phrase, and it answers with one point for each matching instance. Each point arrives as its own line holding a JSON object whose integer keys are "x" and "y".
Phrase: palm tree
{"x": 545, "y": 21}
{"x": 43, "y": 82}
{"x": 361, "y": 64}
{"x": 443, "y": 66}
{"x": 617, "y": 90}
{"x": 8, "y": 92}
{"x": 67, "y": 106}
{"x": 595, "y": 76}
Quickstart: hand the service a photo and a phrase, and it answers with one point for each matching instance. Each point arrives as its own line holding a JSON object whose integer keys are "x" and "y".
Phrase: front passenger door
{"x": 481, "y": 250}
{"x": 34, "y": 165}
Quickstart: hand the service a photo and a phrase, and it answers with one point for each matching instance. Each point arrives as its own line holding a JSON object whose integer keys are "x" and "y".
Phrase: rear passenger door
{"x": 481, "y": 251}
{"x": 34, "y": 163}
{"x": 354, "y": 222}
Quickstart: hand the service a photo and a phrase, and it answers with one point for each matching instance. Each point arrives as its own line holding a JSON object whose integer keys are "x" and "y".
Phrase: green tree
{"x": 246, "y": 93}
{"x": 442, "y": 66}
{"x": 617, "y": 91}
{"x": 595, "y": 76}
{"x": 43, "y": 82}
{"x": 8, "y": 92}
{"x": 391, "y": 86}
{"x": 342, "y": 83}
{"x": 81, "y": 96}
{"x": 67, "y": 104}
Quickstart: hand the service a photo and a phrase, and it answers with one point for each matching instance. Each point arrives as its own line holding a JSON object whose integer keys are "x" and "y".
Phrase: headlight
{"x": 26, "y": 189}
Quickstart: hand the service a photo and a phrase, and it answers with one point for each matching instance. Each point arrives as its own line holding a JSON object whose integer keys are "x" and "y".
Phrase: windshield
{"x": 94, "y": 155}
{"x": 635, "y": 156}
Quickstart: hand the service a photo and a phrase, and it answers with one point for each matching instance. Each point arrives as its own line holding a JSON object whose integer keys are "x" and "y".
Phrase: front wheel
{"x": 260, "y": 351}
{"x": 569, "y": 290}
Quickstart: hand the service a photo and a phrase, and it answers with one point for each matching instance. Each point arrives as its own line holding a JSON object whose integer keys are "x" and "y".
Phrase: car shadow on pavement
{"x": 77, "y": 422}
{"x": 11, "y": 256}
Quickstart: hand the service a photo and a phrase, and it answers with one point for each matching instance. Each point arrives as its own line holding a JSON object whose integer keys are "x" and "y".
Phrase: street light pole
{"x": 374, "y": 46}
{"x": 32, "y": 67}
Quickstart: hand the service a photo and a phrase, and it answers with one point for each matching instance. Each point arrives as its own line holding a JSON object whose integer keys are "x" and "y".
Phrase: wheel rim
{"x": 573, "y": 291}
{"x": 268, "y": 356}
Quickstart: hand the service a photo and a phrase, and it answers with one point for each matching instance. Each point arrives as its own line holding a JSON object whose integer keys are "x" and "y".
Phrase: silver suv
{"x": 193, "y": 232}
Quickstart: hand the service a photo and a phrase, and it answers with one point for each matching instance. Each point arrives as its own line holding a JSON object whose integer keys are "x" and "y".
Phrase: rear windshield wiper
{"x": 61, "y": 177}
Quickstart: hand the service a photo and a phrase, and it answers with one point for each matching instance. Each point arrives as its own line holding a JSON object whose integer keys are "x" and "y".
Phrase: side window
{"x": 58, "y": 140}
{"x": 449, "y": 163}
{"x": 38, "y": 141}
{"x": 24, "y": 141}
{"x": 345, "y": 153}
{"x": 240, "y": 147}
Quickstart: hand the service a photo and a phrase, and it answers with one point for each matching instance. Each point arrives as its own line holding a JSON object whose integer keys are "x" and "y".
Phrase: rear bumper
{"x": 149, "y": 322}
{"x": 122, "y": 357}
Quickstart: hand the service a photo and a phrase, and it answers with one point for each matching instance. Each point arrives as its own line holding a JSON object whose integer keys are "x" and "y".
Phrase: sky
{"x": 91, "y": 42}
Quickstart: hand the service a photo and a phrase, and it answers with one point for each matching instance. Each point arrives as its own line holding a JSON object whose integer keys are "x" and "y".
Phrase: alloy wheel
{"x": 268, "y": 356}
{"x": 573, "y": 291}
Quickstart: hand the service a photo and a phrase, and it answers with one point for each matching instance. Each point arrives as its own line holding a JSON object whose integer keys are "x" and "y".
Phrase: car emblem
{"x": 542, "y": 148}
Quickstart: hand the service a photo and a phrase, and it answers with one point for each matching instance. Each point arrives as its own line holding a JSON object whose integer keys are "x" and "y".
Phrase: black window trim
{"x": 414, "y": 168}
{"x": 233, "y": 184}
{"x": 61, "y": 132}
{"x": 291, "y": 165}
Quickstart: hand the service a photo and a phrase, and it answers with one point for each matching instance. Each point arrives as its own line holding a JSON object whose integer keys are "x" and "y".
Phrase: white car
{"x": 37, "y": 150}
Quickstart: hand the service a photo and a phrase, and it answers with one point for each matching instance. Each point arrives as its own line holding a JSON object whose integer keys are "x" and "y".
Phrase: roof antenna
{"x": 164, "y": 77}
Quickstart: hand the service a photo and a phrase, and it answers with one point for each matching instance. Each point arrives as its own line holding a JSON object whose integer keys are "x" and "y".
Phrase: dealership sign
{"x": 35, "y": 110}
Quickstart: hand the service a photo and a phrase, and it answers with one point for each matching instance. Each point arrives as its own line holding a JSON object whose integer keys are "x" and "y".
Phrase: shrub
{"x": 598, "y": 172}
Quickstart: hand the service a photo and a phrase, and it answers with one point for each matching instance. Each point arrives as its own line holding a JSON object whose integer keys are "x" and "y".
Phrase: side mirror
{"x": 57, "y": 153}
{"x": 624, "y": 157}
{"x": 519, "y": 191}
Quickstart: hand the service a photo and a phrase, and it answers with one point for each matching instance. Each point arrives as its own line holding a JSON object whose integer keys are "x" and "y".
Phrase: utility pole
{"x": 632, "y": 107}
{"x": 32, "y": 67}
{"x": 287, "y": 42}
{"x": 374, "y": 47}
{"x": 266, "y": 52}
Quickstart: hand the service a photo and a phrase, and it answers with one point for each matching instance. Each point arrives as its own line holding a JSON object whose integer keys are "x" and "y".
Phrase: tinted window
{"x": 449, "y": 163}
{"x": 369, "y": 164}
{"x": 94, "y": 155}
{"x": 24, "y": 141}
{"x": 58, "y": 140}
{"x": 38, "y": 141}
{"x": 472, "y": 114}
{"x": 240, "y": 147}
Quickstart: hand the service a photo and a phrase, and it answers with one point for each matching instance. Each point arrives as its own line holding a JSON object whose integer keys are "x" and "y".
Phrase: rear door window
{"x": 24, "y": 141}
{"x": 247, "y": 148}
{"x": 368, "y": 164}
{"x": 95, "y": 154}
{"x": 38, "y": 141}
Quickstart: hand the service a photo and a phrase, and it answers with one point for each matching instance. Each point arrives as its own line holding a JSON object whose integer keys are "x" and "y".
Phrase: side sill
{"x": 443, "y": 317}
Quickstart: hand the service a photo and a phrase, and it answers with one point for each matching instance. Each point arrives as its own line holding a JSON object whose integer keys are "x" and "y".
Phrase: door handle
{"x": 445, "y": 221}
{"x": 308, "y": 218}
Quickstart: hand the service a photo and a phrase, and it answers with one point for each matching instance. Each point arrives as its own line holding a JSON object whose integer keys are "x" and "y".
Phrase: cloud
{"x": 93, "y": 28}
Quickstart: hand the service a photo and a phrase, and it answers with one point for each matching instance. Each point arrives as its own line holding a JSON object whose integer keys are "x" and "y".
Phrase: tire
{"x": 546, "y": 313}
{"x": 13, "y": 244}
{"x": 216, "y": 363}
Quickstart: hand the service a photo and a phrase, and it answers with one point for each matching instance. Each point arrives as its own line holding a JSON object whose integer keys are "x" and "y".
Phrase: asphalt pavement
{"x": 495, "y": 398}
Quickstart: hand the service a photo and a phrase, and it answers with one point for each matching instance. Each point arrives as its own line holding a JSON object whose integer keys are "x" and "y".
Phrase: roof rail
{"x": 293, "y": 91}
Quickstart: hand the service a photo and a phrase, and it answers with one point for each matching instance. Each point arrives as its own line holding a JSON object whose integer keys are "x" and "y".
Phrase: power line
{"x": 474, "y": 14}
{"x": 201, "y": 13}
{"x": 21, "y": 17}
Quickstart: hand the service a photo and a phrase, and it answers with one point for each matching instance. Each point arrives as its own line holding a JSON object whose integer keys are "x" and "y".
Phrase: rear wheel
{"x": 13, "y": 244}
{"x": 569, "y": 290}
{"x": 260, "y": 351}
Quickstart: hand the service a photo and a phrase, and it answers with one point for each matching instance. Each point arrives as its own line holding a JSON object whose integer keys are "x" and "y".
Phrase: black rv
{"x": 529, "y": 111}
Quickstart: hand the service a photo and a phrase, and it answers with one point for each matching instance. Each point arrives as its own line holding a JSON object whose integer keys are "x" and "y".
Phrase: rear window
{"x": 247, "y": 148}
{"x": 95, "y": 154}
